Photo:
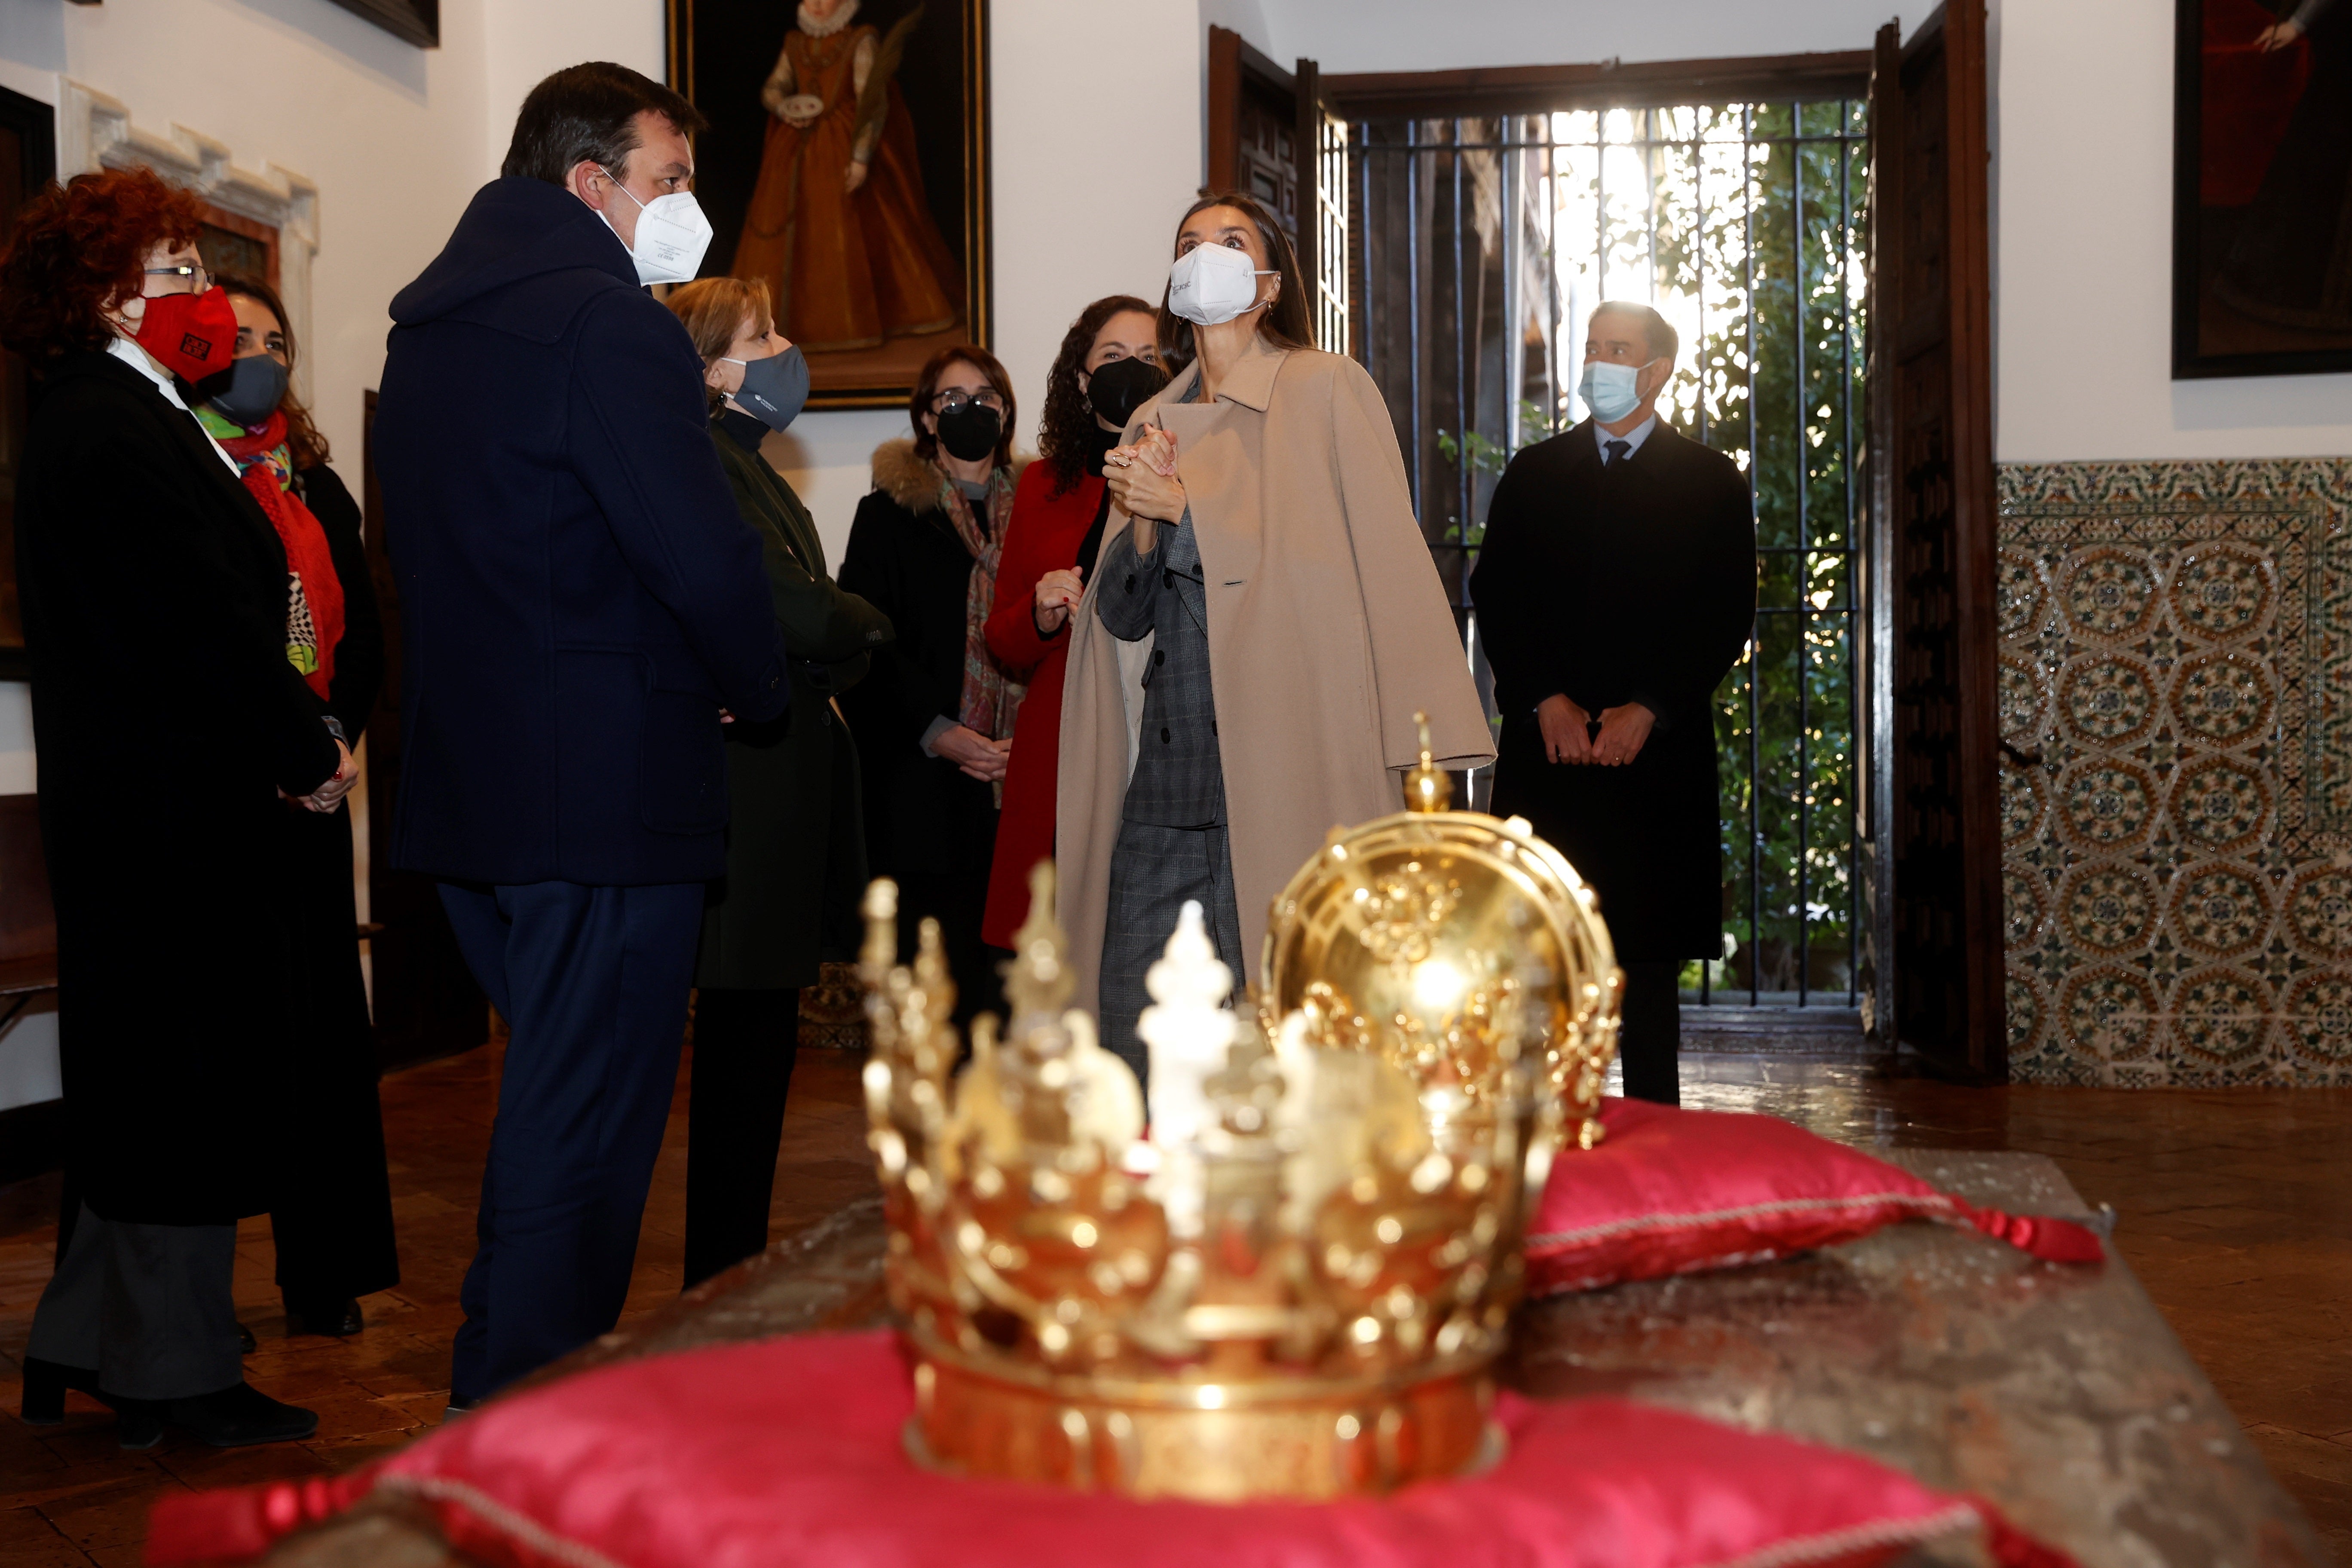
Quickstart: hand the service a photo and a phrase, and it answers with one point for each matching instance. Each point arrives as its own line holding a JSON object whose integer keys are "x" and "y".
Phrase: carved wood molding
{"x": 95, "y": 132}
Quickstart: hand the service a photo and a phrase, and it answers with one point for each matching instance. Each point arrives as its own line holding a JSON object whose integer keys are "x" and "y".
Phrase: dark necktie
{"x": 1616, "y": 450}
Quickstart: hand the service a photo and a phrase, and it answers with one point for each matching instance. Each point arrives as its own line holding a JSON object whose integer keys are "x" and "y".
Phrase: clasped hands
{"x": 1143, "y": 482}
{"x": 1568, "y": 738}
{"x": 974, "y": 754}
{"x": 328, "y": 797}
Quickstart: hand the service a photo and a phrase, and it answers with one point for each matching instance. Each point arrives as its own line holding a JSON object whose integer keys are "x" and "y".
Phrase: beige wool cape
{"x": 1328, "y": 628}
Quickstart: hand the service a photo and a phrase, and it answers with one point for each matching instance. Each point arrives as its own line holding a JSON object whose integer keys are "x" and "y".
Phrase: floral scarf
{"x": 990, "y": 698}
{"x": 314, "y": 595}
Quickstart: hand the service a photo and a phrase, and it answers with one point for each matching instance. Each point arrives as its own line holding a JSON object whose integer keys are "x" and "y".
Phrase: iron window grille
{"x": 1478, "y": 247}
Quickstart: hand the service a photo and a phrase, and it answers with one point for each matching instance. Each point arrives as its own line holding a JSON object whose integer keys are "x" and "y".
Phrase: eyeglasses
{"x": 185, "y": 271}
{"x": 955, "y": 397}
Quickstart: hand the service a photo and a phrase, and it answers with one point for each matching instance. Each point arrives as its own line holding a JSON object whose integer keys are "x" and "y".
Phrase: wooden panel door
{"x": 426, "y": 1004}
{"x": 1253, "y": 121}
{"x": 1931, "y": 452}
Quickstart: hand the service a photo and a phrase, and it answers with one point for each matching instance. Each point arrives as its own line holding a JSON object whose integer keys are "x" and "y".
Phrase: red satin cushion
{"x": 787, "y": 1453}
{"x": 1671, "y": 1191}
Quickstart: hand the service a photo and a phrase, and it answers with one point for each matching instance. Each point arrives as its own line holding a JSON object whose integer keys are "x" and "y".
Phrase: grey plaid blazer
{"x": 1180, "y": 780}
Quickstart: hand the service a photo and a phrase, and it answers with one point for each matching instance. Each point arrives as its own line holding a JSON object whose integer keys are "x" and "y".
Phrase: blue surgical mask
{"x": 1610, "y": 391}
{"x": 774, "y": 389}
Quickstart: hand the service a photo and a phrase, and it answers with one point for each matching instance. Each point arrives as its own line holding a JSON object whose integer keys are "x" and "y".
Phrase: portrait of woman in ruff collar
{"x": 845, "y": 170}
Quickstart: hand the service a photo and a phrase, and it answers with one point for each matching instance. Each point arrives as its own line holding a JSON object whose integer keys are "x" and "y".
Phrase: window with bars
{"x": 1479, "y": 248}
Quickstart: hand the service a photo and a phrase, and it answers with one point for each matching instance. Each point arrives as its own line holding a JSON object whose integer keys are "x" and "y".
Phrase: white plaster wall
{"x": 2082, "y": 272}
{"x": 1428, "y": 35}
{"x": 523, "y": 41}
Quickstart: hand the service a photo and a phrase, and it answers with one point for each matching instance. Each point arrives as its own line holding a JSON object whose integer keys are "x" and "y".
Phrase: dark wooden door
{"x": 1931, "y": 449}
{"x": 1253, "y": 121}
{"x": 426, "y": 1004}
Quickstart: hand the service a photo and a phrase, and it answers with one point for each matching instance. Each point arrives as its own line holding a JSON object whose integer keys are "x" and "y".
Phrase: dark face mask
{"x": 248, "y": 392}
{"x": 1123, "y": 386}
{"x": 774, "y": 389}
{"x": 970, "y": 433}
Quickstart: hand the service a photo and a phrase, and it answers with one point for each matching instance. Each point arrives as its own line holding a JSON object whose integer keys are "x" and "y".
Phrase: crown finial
{"x": 880, "y": 908}
{"x": 1426, "y": 787}
{"x": 1038, "y": 980}
{"x": 1188, "y": 1031}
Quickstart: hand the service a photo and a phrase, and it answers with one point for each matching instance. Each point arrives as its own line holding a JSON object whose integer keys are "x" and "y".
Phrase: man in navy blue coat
{"x": 580, "y": 603}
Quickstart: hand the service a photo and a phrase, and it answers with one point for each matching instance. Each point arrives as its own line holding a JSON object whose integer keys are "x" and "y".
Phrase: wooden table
{"x": 2058, "y": 1392}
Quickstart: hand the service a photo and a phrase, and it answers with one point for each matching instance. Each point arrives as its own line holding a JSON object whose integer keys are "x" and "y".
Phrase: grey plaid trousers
{"x": 1172, "y": 843}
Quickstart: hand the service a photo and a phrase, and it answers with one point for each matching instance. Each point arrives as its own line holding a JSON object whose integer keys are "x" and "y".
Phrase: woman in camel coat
{"x": 1326, "y": 628}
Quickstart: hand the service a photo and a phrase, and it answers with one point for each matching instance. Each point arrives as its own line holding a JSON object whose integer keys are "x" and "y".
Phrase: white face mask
{"x": 672, "y": 235}
{"x": 1611, "y": 391}
{"x": 1212, "y": 284}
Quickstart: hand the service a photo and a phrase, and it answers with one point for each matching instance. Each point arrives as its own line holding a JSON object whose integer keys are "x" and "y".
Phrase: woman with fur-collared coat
{"x": 933, "y": 720}
{"x": 1263, "y": 539}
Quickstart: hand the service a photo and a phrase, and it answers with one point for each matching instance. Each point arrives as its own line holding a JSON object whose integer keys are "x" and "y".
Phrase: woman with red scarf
{"x": 332, "y": 1216}
{"x": 174, "y": 738}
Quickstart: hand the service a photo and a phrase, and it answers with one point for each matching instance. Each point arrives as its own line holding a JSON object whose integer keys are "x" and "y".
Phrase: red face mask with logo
{"x": 192, "y": 335}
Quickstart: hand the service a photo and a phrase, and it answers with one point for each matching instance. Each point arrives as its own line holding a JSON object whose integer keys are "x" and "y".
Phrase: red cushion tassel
{"x": 2036, "y": 1236}
{"x": 238, "y": 1524}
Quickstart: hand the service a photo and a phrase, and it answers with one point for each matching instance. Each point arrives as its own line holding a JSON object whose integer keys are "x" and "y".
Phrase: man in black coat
{"x": 579, "y": 600}
{"x": 1615, "y": 590}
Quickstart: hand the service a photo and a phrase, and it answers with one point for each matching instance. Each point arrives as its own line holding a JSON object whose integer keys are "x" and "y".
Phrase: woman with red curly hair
{"x": 140, "y": 558}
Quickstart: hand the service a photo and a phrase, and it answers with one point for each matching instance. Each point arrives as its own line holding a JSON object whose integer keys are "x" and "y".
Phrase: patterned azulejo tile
{"x": 2175, "y": 691}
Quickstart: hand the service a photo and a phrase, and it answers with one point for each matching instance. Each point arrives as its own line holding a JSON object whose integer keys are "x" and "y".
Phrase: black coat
{"x": 167, "y": 719}
{"x": 579, "y": 597}
{"x": 1630, "y": 584}
{"x": 923, "y": 814}
{"x": 333, "y": 1212}
{"x": 795, "y": 841}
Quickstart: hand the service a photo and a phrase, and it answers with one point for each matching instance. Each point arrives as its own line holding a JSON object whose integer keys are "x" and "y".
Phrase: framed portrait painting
{"x": 846, "y": 168}
{"x": 2261, "y": 225}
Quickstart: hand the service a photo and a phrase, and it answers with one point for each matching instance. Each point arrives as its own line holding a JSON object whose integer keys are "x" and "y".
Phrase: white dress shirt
{"x": 1632, "y": 439}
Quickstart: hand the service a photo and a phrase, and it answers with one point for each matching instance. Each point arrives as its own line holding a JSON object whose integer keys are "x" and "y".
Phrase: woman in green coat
{"x": 795, "y": 840}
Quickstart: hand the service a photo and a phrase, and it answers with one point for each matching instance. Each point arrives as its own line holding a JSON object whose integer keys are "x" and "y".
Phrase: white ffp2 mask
{"x": 672, "y": 235}
{"x": 1610, "y": 391}
{"x": 1212, "y": 284}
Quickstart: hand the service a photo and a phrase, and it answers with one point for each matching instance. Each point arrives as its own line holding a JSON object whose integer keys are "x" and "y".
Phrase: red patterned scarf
{"x": 314, "y": 610}
{"x": 989, "y": 698}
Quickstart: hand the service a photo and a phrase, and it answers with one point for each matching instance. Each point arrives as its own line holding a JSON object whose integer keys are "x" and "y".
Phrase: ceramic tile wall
{"x": 2175, "y": 661}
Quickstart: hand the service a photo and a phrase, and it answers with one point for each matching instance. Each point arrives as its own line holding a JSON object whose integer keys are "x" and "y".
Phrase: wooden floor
{"x": 2234, "y": 1207}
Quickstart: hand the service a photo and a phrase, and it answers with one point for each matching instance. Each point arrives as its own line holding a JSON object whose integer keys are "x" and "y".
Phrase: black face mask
{"x": 248, "y": 392}
{"x": 969, "y": 433}
{"x": 1123, "y": 386}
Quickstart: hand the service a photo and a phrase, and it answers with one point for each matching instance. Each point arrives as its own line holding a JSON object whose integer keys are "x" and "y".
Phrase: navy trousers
{"x": 592, "y": 984}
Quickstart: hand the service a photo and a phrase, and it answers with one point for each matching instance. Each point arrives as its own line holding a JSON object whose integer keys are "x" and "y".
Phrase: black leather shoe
{"x": 46, "y": 1383}
{"x": 238, "y": 1417}
{"x": 338, "y": 1320}
{"x": 138, "y": 1424}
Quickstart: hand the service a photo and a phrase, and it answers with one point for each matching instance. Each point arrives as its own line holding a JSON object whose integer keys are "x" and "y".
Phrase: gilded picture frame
{"x": 2262, "y": 226}
{"x": 872, "y": 268}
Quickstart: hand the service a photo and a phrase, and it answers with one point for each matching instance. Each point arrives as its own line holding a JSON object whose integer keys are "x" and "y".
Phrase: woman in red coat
{"x": 1108, "y": 368}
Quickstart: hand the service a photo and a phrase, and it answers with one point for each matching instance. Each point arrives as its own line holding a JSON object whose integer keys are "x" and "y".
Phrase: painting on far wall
{"x": 2262, "y": 188}
{"x": 846, "y": 167}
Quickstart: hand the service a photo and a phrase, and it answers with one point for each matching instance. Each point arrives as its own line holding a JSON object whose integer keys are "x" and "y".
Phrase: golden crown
{"x": 1297, "y": 1281}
